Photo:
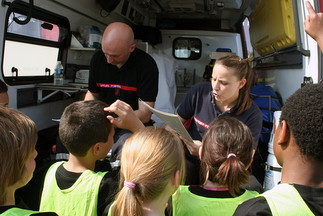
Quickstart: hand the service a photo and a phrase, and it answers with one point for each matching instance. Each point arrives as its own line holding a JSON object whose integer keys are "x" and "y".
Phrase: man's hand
{"x": 314, "y": 24}
{"x": 193, "y": 147}
{"x": 126, "y": 119}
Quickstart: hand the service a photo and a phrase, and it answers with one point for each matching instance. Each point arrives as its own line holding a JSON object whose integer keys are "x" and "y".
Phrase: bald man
{"x": 121, "y": 71}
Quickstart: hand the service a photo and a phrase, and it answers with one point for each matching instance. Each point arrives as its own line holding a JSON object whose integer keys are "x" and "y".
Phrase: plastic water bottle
{"x": 58, "y": 74}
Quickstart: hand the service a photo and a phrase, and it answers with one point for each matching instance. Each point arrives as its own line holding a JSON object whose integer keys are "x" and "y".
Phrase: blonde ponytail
{"x": 149, "y": 159}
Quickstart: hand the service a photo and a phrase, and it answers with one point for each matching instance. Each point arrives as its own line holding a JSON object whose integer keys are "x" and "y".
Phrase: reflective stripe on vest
{"x": 80, "y": 199}
{"x": 18, "y": 212}
{"x": 110, "y": 209}
{"x": 187, "y": 203}
{"x": 285, "y": 200}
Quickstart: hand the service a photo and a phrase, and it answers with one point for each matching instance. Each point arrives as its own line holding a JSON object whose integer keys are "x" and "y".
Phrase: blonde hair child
{"x": 152, "y": 167}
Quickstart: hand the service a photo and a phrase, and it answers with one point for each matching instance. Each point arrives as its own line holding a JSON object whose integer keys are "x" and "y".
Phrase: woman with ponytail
{"x": 226, "y": 94}
{"x": 225, "y": 154}
{"x": 152, "y": 167}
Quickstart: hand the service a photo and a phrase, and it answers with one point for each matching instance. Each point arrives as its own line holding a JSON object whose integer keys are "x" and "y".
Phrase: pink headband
{"x": 129, "y": 184}
{"x": 231, "y": 154}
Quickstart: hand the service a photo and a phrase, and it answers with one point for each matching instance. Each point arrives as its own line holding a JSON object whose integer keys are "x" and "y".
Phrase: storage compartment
{"x": 272, "y": 26}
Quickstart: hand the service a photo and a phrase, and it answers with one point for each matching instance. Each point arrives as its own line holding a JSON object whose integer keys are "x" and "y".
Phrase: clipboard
{"x": 170, "y": 119}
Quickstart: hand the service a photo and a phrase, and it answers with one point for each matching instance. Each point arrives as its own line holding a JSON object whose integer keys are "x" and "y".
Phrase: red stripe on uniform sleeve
{"x": 201, "y": 123}
{"x": 122, "y": 87}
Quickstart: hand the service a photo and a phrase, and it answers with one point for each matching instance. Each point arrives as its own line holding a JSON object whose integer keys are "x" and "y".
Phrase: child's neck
{"x": 213, "y": 184}
{"x": 153, "y": 209}
{"x": 157, "y": 206}
{"x": 10, "y": 196}
{"x": 79, "y": 164}
{"x": 302, "y": 171}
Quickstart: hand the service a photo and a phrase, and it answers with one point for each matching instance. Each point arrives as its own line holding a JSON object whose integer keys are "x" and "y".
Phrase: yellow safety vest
{"x": 110, "y": 209}
{"x": 18, "y": 212}
{"x": 187, "y": 203}
{"x": 80, "y": 199}
{"x": 285, "y": 200}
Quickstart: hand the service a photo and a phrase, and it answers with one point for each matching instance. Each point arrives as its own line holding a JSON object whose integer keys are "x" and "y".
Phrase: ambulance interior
{"x": 184, "y": 37}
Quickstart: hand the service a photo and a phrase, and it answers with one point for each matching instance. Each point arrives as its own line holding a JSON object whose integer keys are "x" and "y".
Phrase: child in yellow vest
{"x": 298, "y": 147}
{"x": 72, "y": 187}
{"x": 17, "y": 159}
{"x": 152, "y": 167}
{"x": 225, "y": 154}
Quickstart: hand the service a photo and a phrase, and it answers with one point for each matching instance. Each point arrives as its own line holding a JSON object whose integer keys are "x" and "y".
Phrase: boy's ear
{"x": 175, "y": 179}
{"x": 96, "y": 149}
{"x": 283, "y": 134}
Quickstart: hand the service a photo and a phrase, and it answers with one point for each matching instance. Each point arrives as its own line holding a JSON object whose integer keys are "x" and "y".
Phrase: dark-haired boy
{"x": 298, "y": 147}
{"x": 73, "y": 188}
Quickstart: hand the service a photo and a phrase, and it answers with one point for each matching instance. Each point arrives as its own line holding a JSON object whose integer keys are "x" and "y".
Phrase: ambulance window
{"x": 187, "y": 48}
{"x": 31, "y": 50}
{"x": 36, "y": 28}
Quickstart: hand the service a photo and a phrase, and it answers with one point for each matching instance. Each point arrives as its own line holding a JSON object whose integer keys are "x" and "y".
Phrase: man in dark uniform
{"x": 121, "y": 71}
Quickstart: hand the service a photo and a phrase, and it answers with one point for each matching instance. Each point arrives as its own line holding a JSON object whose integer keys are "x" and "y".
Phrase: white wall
{"x": 211, "y": 40}
{"x": 287, "y": 81}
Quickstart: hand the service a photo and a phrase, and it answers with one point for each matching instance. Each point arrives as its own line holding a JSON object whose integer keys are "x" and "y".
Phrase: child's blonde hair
{"x": 149, "y": 159}
{"x": 17, "y": 141}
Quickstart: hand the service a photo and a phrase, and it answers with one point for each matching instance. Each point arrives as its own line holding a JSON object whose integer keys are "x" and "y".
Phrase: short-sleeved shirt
{"x": 199, "y": 104}
{"x": 312, "y": 196}
{"x": 137, "y": 78}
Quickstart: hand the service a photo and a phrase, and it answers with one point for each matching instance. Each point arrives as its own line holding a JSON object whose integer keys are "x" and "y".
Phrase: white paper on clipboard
{"x": 170, "y": 119}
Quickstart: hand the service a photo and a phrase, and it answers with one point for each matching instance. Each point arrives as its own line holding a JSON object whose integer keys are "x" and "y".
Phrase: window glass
{"x": 36, "y": 28}
{"x": 31, "y": 60}
{"x": 32, "y": 50}
{"x": 187, "y": 48}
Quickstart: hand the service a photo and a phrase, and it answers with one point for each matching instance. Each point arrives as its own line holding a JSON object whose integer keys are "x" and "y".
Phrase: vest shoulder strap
{"x": 284, "y": 199}
{"x": 18, "y": 212}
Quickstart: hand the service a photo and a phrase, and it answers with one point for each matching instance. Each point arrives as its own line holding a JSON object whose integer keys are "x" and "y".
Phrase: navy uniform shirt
{"x": 137, "y": 78}
{"x": 199, "y": 104}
